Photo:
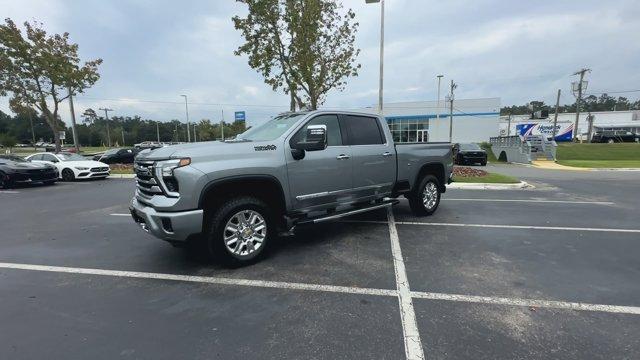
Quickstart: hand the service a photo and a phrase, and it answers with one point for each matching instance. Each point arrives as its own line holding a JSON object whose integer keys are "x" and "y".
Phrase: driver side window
{"x": 334, "y": 136}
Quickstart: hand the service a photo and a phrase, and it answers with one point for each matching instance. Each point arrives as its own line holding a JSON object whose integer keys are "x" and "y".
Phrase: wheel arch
{"x": 264, "y": 187}
{"x": 435, "y": 169}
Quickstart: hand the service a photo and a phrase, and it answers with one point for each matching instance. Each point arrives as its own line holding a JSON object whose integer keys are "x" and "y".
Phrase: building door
{"x": 422, "y": 136}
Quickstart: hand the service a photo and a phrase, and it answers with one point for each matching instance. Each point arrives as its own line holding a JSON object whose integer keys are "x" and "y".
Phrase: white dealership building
{"x": 602, "y": 120}
{"x": 474, "y": 120}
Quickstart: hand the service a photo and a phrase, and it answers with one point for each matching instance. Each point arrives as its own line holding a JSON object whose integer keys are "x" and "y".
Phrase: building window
{"x": 408, "y": 128}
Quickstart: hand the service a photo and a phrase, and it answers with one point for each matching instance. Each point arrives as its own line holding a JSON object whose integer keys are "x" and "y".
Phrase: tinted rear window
{"x": 363, "y": 130}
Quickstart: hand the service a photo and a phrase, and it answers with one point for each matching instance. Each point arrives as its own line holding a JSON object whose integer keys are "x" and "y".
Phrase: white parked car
{"x": 72, "y": 166}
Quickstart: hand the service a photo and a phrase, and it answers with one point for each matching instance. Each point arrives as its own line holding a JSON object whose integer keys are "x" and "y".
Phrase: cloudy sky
{"x": 516, "y": 50}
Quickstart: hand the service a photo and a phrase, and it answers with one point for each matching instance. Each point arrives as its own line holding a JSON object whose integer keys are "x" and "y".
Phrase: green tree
{"x": 7, "y": 141}
{"x": 300, "y": 46}
{"x": 40, "y": 70}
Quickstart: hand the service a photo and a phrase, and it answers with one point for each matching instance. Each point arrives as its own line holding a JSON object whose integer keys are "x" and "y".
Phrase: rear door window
{"x": 363, "y": 130}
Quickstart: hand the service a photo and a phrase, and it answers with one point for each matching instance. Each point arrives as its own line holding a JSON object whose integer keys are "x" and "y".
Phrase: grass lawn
{"x": 625, "y": 155}
{"x": 601, "y": 163}
{"x": 624, "y": 151}
{"x": 491, "y": 178}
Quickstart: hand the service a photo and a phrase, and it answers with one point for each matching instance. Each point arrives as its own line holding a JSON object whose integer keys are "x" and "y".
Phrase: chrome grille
{"x": 99, "y": 169}
{"x": 145, "y": 181}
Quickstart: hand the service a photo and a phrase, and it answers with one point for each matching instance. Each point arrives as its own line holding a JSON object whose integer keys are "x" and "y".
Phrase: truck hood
{"x": 207, "y": 149}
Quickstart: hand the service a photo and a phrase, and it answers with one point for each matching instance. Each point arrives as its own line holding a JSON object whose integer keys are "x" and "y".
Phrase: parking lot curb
{"x": 487, "y": 186}
{"x": 122, "y": 176}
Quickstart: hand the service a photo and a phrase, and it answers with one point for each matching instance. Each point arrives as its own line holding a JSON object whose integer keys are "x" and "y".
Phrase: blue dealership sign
{"x": 240, "y": 116}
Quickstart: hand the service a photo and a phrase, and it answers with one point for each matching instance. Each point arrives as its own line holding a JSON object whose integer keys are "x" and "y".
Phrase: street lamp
{"x": 438, "y": 105}
{"x": 186, "y": 109}
{"x": 380, "y": 89}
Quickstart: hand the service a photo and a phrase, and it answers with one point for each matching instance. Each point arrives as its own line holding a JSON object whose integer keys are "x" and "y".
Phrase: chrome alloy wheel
{"x": 430, "y": 196}
{"x": 245, "y": 232}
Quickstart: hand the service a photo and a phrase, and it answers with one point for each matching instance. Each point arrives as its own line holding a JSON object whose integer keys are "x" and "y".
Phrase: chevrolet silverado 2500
{"x": 303, "y": 167}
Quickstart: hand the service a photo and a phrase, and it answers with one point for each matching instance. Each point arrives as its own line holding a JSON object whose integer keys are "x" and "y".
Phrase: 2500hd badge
{"x": 265, "y": 148}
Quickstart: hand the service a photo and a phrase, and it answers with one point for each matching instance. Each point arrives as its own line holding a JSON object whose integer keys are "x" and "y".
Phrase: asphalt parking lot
{"x": 545, "y": 273}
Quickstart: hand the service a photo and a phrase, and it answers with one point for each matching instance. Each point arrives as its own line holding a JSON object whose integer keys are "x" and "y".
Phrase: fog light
{"x": 166, "y": 225}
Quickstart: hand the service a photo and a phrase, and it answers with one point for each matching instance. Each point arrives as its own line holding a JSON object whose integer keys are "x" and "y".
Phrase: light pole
{"x": 186, "y": 109}
{"x": 381, "y": 87}
{"x": 438, "y": 104}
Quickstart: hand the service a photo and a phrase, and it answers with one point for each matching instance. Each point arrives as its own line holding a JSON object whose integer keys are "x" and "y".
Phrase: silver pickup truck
{"x": 233, "y": 197}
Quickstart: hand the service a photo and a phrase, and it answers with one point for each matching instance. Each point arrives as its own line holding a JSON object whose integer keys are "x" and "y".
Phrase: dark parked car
{"x": 470, "y": 154}
{"x": 16, "y": 170}
{"x": 118, "y": 156}
{"x": 614, "y": 136}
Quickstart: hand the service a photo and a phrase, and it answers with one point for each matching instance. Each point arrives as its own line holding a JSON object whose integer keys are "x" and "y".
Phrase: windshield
{"x": 470, "y": 147}
{"x": 111, "y": 152}
{"x": 272, "y": 129}
{"x": 70, "y": 157}
{"x": 13, "y": 158}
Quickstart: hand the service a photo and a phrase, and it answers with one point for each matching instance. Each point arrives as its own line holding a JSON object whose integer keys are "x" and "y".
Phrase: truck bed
{"x": 411, "y": 157}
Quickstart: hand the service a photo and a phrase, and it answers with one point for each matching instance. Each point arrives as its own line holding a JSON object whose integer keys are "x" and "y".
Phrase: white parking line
{"x": 535, "y": 201}
{"x": 201, "y": 279}
{"x": 9, "y": 192}
{"x": 120, "y": 214}
{"x": 525, "y": 227}
{"x": 412, "y": 343}
{"x": 632, "y": 310}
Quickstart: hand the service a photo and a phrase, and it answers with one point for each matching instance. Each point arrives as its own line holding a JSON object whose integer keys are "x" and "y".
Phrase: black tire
{"x": 415, "y": 198}
{"x": 215, "y": 242}
{"x": 68, "y": 175}
{"x": 5, "y": 184}
{"x": 484, "y": 163}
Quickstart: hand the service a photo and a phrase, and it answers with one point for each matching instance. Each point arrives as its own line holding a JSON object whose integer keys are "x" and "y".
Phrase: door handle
{"x": 342, "y": 157}
{"x": 386, "y": 153}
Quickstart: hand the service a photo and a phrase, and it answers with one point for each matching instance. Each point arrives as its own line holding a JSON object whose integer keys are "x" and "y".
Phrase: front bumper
{"x": 32, "y": 177}
{"x": 169, "y": 226}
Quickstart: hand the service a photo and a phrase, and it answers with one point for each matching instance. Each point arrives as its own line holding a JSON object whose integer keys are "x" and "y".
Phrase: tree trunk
{"x": 292, "y": 106}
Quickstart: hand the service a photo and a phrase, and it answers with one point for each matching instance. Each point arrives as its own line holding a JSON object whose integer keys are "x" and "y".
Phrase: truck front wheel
{"x": 425, "y": 199}
{"x": 240, "y": 231}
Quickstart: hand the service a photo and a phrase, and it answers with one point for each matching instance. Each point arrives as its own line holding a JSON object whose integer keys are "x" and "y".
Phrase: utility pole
{"x": 186, "y": 109}
{"x": 123, "y": 137}
{"x": 590, "y": 120}
{"x": 451, "y": 97}
{"x": 438, "y": 104}
{"x": 73, "y": 121}
{"x": 222, "y": 125}
{"x": 158, "y": 130}
{"x": 106, "y": 116}
{"x": 555, "y": 117}
{"x": 579, "y": 87}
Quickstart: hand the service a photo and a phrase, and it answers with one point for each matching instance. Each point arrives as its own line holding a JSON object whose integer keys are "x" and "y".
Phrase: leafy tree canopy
{"x": 300, "y": 46}
{"x": 39, "y": 71}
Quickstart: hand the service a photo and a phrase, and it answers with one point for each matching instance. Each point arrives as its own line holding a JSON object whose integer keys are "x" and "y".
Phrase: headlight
{"x": 82, "y": 168}
{"x": 165, "y": 168}
{"x": 163, "y": 171}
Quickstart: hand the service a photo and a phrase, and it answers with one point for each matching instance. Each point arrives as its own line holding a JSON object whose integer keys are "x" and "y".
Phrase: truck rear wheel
{"x": 240, "y": 231}
{"x": 425, "y": 199}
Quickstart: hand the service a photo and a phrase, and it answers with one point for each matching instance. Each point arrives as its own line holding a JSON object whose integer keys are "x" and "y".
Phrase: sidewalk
{"x": 552, "y": 165}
